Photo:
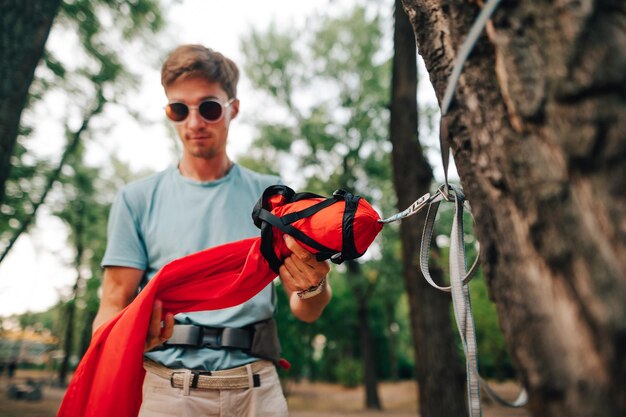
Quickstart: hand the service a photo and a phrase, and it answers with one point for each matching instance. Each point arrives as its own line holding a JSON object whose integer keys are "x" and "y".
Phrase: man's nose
{"x": 195, "y": 119}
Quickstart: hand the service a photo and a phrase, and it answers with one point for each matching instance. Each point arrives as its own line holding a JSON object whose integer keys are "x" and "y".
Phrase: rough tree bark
{"x": 24, "y": 28}
{"x": 439, "y": 373}
{"x": 538, "y": 135}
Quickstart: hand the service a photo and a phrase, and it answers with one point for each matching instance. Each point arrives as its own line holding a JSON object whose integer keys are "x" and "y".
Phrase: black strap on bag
{"x": 265, "y": 220}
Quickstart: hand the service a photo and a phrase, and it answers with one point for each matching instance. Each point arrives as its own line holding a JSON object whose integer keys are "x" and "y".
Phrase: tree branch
{"x": 53, "y": 176}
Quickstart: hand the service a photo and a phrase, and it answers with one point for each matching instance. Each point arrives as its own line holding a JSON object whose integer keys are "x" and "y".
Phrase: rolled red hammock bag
{"x": 109, "y": 378}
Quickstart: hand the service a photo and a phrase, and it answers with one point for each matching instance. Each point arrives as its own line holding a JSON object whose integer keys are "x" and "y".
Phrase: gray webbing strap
{"x": 462, "y": 304}
{"x": 432, "y": 202}
{"x": 459, "y": 278}
{"x": 461, "y": 300}
{"x": 453, "y": 80}
{"x": 429, "y": 227}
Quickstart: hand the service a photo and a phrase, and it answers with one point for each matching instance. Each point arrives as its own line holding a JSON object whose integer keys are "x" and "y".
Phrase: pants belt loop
{"x": 187, "y": 382}
{"x": 252, "y": 405}
{"x": 250, "y": 376}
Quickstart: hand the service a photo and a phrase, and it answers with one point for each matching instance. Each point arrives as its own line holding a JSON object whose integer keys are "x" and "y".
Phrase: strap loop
{"x": 459, "y": 278}
{"x": 460, "y": 291}
{"x": 429, "y": 226}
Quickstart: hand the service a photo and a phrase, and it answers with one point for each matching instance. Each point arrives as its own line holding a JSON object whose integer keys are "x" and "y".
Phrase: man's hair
{"x": 188, "y": 61}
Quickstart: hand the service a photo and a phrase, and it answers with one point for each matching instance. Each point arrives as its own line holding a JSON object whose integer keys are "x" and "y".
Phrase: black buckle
{"x": 172, "y": 378}
{"x": 340, "y": 194}
{"x": 236, "y": 338}
{"x": 337, "y": 258}
{"x": 210, "y": 337}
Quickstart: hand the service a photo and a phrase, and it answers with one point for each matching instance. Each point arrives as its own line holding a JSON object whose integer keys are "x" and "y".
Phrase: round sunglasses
{"x": 210, "y": 110}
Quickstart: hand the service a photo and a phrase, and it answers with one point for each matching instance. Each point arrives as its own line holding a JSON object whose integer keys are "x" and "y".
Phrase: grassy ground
{"x": 305, "y": 400}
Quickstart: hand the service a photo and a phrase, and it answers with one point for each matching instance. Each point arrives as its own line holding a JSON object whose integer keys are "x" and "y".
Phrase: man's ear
{"x": 234, "y": 109}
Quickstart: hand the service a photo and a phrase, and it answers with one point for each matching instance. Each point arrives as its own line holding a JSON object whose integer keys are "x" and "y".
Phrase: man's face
{"x": 201, "y": 138}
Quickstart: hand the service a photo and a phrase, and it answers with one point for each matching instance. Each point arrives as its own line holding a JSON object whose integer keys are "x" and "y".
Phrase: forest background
{"x": 319, "y": 116}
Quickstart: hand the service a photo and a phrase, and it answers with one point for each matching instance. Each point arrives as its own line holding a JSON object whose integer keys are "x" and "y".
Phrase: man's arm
{"x": 301, "y": 271}
{"x": 119, "y": 288}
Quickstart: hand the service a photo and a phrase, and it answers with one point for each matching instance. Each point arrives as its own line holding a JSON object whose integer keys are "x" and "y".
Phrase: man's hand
{"x": 301, "y": 270}
{"x": 157, "y": 335}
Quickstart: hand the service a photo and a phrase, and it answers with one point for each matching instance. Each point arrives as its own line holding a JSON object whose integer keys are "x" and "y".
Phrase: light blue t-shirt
{"x": 166, "y": 216}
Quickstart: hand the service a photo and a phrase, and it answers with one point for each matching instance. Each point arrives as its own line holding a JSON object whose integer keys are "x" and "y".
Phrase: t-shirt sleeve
{"x": 125, "y": 245}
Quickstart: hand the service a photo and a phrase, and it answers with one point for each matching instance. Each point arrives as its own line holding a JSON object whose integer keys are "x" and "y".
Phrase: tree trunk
{"x": 372, "y": 399}
{"x": 68, "y": 340}
{"x": 86, "y": 333}
{"x": 438, "y": 368}
{"x": 538, "y": 134}
{"x": 361, "y": 293}
{"x": 24, "y": 28}
{"x": 392, "y": 341}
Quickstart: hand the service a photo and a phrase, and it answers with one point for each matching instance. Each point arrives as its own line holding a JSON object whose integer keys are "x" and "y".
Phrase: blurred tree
{"x": 338, "y": 139}
{"x": 26, "y": 210}
{"x": 537, "y": 131}
{"x": 25, "y": 27}
{"x": 83, "y": 209}
{"x": 83, "y": 200}
{"x": 436, "y": 358}
{"x": 95, "y": 72}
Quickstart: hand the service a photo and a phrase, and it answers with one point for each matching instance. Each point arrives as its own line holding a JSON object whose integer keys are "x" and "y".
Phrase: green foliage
{"x": 80, "y": 195}
{"x": 493, "y": 358}
{"x": 39, "y": 320}
{"x": 349, "y": 372}
{"x": 82, "y": 202}
{"x": 84, "y": 206}
{"x": 337, "y": 138}
{"x": 94, "y": 76}
{"x": 87, "y": 194}
{"x": 338, "y": 65}
{"x": 24, "y": 187}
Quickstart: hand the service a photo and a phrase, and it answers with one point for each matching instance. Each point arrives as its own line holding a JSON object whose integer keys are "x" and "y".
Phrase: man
{"x": 204, "y": 201}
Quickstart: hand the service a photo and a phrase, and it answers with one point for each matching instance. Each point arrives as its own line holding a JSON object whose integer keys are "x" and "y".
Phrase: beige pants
{"x": 161, "y": 400}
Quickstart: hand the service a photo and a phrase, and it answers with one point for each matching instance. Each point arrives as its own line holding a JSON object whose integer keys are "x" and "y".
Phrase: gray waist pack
{"x": 259, "y": 339}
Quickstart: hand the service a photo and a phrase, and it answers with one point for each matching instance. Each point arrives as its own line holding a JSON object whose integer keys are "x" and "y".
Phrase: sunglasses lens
{"x": 177, "y": 112}
{"x": 211, "y": 110}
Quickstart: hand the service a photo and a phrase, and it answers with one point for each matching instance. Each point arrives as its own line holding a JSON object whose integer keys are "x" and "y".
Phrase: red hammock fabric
{"x": 109, "y": 378}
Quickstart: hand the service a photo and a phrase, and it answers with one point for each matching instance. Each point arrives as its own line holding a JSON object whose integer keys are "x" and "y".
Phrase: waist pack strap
{"x": 259, "y": 339}
{"x": 199, "y": 336}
